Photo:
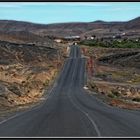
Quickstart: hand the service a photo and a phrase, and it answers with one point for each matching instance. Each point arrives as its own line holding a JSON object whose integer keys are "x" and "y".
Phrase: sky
{"x": 57, "y": 12}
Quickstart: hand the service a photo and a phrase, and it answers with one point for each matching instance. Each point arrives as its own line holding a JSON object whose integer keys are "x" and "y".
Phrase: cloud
{"x": 21, "y": 4}
{"x": 9, "y": 5}
{"x": 79, "y": 3}
{"x": 124, "y": 9}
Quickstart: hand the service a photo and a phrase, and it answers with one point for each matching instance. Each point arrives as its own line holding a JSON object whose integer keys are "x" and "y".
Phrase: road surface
{"x": 70, "y": 111}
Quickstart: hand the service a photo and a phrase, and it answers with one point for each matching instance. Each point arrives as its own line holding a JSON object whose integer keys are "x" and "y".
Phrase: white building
{"x": 58, "y": 40}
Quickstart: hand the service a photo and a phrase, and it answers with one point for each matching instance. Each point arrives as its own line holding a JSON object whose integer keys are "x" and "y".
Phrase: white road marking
{"x": 87, "y": 115}
{"x": 10, "y": 118}
{"x": 36, "y": 107}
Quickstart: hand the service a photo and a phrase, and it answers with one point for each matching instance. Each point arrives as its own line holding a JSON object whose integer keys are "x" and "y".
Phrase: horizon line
{"x": 68, "y": 21}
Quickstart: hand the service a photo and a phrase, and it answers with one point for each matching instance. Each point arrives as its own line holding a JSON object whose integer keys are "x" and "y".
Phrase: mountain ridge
{"x": 69, "y": 28}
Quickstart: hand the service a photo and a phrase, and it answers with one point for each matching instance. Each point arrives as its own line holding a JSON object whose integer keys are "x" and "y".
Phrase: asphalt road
{"x": 70, "y": 111}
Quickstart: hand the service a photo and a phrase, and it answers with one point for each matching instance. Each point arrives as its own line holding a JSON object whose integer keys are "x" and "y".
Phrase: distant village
{"x": 118, "y": 36}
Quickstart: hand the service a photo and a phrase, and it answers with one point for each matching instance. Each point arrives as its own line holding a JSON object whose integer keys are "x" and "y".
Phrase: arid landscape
{"x": 115, "y": 76}
{"x": 98, "y": 28}
{"x": 30, "y": 60}
{"x": 27, "y": 70}
{"x": 32, "y": 56}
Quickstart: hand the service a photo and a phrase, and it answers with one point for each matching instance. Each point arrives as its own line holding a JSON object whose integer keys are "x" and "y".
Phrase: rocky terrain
{"x": 116, "y": 75}
{"x": 26, "y": 71}
{"x": 122, "y": 57}
{"x": 98, "y": 28}
{"x": 25, "y": 37}
{"x": 30, "y": 60}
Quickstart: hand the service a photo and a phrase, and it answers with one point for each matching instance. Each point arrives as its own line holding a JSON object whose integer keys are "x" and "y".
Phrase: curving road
{"x": 70, "y": 111}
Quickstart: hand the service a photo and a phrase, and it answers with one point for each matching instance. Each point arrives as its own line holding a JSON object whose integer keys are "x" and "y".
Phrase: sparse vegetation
{"x": 46, "y": 83}
{"x": 136, "y": 79}
{"x": 115, "y": 93}
{"x": 92, "y": 86}
{"x": 112, "y": 44}
{"x": 117, "y": 76}
{"x": 111, "y": 95}
{"x": 136, "y": 99}
{"x": 23, "y": 78}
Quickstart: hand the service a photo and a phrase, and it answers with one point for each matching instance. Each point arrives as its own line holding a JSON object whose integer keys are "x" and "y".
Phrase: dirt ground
{"x": 117, "y": 80}
{"x": 26, "y": 74}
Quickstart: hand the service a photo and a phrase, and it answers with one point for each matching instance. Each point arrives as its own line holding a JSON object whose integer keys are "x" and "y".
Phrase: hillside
{"x": 26, "y": 71}
{"x": 114, "y": 74}
{"x": 75, "y": 28}
{"x": 25, "y": 37}
{"x": 30, "y": 60}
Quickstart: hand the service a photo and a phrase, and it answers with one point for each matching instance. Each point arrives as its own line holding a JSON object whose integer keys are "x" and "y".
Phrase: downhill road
{"x": 70, "y": 111}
